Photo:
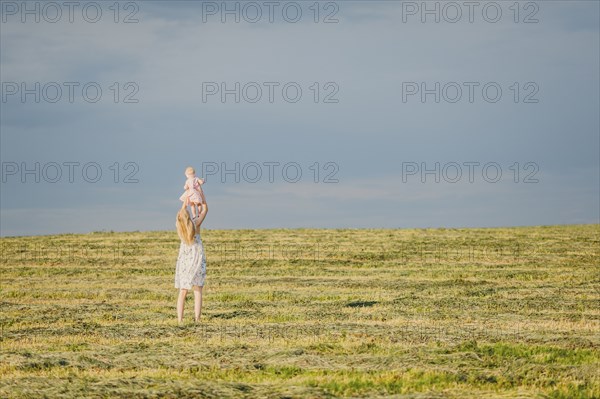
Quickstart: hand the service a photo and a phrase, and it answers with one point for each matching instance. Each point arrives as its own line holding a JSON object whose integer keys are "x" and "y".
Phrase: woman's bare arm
{"x": 202, "y": 194}
{"x": 202, "y": 215}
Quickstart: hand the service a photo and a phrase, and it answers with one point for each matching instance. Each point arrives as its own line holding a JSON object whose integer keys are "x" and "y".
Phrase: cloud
{"x": 171, "y": 52}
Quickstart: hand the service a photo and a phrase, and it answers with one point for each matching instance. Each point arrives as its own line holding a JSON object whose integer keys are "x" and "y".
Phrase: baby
{"x": 193, "y": 195}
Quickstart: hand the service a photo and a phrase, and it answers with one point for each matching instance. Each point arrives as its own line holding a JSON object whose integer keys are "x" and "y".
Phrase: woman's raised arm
{"x": 202, "y": 215}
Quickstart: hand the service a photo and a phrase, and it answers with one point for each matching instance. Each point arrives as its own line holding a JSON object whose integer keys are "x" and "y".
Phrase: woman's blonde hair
{"x": 185, "y": 227}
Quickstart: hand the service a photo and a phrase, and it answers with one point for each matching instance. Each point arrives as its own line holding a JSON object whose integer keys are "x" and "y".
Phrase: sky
{"x": 343, "y": 114}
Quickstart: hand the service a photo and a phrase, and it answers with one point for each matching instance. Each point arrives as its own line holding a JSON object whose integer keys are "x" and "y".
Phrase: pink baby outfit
{"x": 192, "y": 191}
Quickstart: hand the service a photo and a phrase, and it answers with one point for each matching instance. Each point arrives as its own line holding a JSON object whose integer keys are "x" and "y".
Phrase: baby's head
{"x": 190, "y": 172}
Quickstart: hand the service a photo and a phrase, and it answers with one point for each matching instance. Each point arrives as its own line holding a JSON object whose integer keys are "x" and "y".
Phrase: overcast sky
{"x": 336, "y": 121}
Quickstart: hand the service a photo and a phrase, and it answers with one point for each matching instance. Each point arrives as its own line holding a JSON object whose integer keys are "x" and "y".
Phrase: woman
{"x": 190, "y": 271}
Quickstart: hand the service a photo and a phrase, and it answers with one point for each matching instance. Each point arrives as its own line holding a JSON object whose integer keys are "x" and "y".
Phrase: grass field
{"x": 416, "y": 313}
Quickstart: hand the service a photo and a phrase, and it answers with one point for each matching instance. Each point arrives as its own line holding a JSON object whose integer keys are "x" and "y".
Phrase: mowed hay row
{"x": 419, "y": 313}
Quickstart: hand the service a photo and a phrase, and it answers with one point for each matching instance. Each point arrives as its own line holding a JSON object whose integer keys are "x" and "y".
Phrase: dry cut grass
{"x": 421, "y": 313}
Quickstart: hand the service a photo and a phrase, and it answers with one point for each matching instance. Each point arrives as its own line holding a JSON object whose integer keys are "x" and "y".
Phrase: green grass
{"x": 415, "y": 313}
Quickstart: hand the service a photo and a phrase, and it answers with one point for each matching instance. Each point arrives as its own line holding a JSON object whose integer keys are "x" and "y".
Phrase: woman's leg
{"x": 197, "y": 302}
{"x": 180, "y": 303}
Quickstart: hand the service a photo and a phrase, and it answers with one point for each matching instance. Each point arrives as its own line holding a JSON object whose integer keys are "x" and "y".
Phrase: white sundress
{"x": 191, "y": 264}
